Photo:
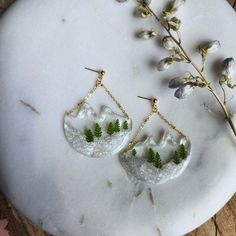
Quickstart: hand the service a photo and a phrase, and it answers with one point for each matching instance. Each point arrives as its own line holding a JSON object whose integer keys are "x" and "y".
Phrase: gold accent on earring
{"x": 154, "y": 111}
{"x": 98, "y": 84}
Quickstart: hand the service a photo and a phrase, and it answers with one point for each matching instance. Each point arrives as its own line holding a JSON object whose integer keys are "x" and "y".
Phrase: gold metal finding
{"x": 98, "y": 84}
{"x": 154, "y": 111}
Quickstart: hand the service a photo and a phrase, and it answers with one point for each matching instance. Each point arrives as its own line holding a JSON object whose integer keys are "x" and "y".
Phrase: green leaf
{"x": 176, "y": 158}
{"x": 158, "y": 162}
{"x": 110, "y": 129}
{"x": 182, "y": 152}
{"x": 125, "y": 125}
{"x": 134, "y": 152}
{"x": 117, "y": 126}
{"x": 151, "y": 155}
{"x": 89, "y": 135}
{"x": 97, "y": 130}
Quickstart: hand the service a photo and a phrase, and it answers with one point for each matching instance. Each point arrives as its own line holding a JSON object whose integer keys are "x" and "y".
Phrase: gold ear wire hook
{"x": 100, "y": 77}
{"x": 153, "y": 101}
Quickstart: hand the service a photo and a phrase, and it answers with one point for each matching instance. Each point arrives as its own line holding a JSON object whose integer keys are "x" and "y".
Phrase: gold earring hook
{"x": 102, "y": 72}
{"x": 153, "y": 101}
{"x": 100, "y": 77}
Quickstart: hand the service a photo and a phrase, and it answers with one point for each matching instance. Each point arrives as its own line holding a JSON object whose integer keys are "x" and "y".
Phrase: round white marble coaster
{"x": 44, "y": 46}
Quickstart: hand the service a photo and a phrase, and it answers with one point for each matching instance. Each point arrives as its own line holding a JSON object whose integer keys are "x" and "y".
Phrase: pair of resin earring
{"x": 104, "y": 134}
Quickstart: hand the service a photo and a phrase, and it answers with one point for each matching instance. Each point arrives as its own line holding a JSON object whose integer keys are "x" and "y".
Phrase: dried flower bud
{"x": 144, "y": 2}
{"x": 165, "y": 63}
{"x": 177, "y": 4}
{"x": 183, "y": 91}
{"x": 147, "y": 34}
{"x": 142, "y": 11}
{"x": 174, "y": 23}
{"x": 172, "y": 8}
{"x": 176, "y": 82}
{"x": 228, "y": 67}
{"x": 210, "y": 47}
{"x": 169, "y": 43}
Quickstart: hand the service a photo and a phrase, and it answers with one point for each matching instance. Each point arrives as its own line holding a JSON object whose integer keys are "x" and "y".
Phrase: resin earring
{"x": 152, "y": 162}
{"x": 97, "y": 135}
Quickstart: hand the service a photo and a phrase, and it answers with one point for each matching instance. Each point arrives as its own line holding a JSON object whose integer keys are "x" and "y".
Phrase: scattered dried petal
{"x": 183, "y": 91}
{"x": 147, "y": 34}
{"x": 33, "y": 109}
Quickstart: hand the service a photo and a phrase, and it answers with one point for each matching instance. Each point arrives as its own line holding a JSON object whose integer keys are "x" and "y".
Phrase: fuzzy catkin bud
{"x": 228, "y": 67}
{"x": 147, "y": 34}
{"x": 183, "y": 91}
{"x": 169, "y": 43}
{"x": 210, "y": 47}
{"x": 174, "y": 23}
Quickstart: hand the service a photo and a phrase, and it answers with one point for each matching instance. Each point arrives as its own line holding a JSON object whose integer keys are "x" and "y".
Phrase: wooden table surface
{"x": 222, "y": 224}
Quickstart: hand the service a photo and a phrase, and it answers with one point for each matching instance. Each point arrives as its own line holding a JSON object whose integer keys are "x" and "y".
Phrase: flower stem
{"x": 203, "y": 77}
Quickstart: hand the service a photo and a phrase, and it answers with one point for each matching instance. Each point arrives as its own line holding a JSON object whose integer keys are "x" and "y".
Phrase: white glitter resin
{"x": 86, "y": 117}
{"x": 139, "y": 169}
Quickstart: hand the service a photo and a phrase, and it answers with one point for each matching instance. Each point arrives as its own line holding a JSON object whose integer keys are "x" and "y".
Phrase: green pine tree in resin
{"x": 182, "y": 152}
{"x": 134, "y": 152}
{"x": 176, "y": 158}
{"x": 110, "y": 128}
{"x": 125, "y": 125}
{"x": 89, "y": 135}
{"x": 158, "y": 162}
{"x": 151, "y": 155}
{"x": 97, "y": 130}
{"x": 117, "y": 126}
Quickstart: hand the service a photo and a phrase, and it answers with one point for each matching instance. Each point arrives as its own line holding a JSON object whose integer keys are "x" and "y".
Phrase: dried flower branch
{"x": 172, "y": 42}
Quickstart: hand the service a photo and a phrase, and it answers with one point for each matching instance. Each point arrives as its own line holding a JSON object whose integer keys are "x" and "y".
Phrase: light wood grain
{"x": 222, "y": 224}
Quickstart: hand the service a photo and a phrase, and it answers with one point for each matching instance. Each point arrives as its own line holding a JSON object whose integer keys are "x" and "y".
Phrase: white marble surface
{"x": 41, "y": 62}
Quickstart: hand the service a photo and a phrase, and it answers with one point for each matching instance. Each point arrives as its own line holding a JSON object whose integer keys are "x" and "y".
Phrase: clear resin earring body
{"x": 152, "y": 162}
{"x": 96, "y": 135}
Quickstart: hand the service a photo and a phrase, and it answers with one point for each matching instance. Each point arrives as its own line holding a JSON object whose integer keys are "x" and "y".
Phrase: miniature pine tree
{"x": 89, "y": 135}
{"x": 110, "y": 128}
{"x": 134, "y": 153}
{"x": 151, "y": 155}
{"x": 158, "y": 162}
{"x": 125, "y": 125}
{"x": 117, "y": 126}
{"x": 176, "y": 158}
{"x": 97, "y": 130}
{"x": 182, "y": 152}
